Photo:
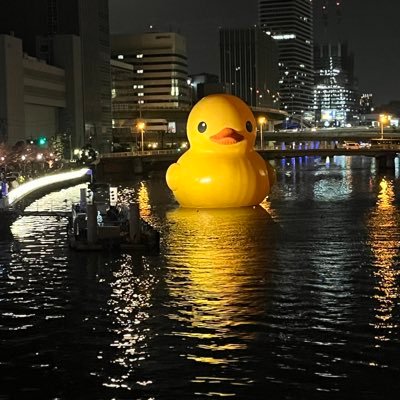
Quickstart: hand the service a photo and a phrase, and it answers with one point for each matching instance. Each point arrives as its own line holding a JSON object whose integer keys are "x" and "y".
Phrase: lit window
{"x": 284, "y": 36}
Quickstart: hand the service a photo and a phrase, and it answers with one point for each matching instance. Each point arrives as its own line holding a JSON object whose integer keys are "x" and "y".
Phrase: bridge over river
{"x": 331, "y": 134}
{"x": 118, "y": 166}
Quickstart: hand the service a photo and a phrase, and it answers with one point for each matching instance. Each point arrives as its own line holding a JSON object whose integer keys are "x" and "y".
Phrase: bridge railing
{"x": 143, "y": 153}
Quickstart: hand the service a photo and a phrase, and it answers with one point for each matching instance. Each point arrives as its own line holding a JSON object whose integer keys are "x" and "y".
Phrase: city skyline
{"x": 373, "y": 41}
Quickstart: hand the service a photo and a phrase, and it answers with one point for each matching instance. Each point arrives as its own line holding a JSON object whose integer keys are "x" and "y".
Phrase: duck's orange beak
{"x": 227, "y": 136}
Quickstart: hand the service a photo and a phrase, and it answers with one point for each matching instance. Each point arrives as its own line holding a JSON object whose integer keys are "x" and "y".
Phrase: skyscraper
{"x": 249, "y": 66}
{"x": 335, "y": 85}
{"x": 38, "y": 22}
{"x": 290, "y": 23}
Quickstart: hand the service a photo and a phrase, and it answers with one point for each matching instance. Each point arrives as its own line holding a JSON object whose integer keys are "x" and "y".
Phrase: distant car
{"x": 351, "y": 145}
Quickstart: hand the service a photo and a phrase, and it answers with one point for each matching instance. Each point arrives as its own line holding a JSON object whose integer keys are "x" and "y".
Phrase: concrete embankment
{"x": 117, "y": 169}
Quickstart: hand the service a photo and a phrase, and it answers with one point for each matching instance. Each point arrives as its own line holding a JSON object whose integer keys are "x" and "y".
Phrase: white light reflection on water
{"x": 384, "y": 228}
{"x": 332, "y": 183}
{"x": 34, "y": 293}
{"x": 128, "y": 308}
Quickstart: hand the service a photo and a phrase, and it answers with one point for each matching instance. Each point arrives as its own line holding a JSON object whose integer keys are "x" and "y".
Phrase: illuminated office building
{"x": 334, "y": 91}
{"x": 150, "y": 84}
{"x": 160, "y": 70}
{"x": 290, "y": 23}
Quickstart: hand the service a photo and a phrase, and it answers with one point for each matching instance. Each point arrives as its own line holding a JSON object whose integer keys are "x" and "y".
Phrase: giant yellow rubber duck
{"x": 221, "y": 168}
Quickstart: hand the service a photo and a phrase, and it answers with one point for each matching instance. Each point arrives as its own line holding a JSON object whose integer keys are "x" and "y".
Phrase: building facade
{"x": 335, "y": 85}
{"x": 290, "y": 24}
{"x": 160, "y": 70}
{"x": 249, "y": 66}
{"x": 38, "y": 22}
{"x": 366, "y": 103}
{"x": 150, "y": 85}
{"x": 34, "y": 100}
{"x": 121, "y": 102}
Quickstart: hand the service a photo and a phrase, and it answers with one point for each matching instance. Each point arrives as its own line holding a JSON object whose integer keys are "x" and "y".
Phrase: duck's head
{"x": 221, "y": 123}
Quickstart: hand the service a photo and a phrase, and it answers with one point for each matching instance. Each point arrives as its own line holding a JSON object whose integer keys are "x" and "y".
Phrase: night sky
{"x": 373, "y": 33}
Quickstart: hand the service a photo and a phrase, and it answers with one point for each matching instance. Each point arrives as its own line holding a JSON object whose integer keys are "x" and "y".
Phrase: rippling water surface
{"x": 295, "y": 299}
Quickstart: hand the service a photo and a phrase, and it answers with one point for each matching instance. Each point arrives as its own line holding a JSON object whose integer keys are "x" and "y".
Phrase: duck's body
{"x": 209, "y": 181}
{"x": 221, "y": 168}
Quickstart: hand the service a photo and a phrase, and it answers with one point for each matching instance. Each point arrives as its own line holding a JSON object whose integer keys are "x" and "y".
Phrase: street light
{"x": 261, "y": 121}
{"x": 4, "y": 164}
{"x": 141, "y": 126}
{"x": 382, "y": 119}
{"x": 23, "y": 158}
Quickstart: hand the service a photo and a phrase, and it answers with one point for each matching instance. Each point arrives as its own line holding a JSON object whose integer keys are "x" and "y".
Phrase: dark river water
{"x": 295, "y": 299}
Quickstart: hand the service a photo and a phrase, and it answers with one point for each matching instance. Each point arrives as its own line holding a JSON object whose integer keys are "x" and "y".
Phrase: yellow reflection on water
{"x": 144, "y": 201}
{"x": 218, "y": 264}
{"x": 139, "y": 194}
{"x": 384, "y": 241}
{"x": 272, "y": 212}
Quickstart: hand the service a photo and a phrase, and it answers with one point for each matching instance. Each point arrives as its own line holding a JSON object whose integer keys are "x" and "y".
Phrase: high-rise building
{"x": 160, "y": 70}
{"x": 150, "y": 86}
{"x": 123, "y": 123}
{"x": 366, "y": 104}
{"x": 290, "y": 23}
{"x": 38, "y": 22}
{"x": 249, "y": 66}
{"x": 38, "y": 99}
{"x": 335, "y": 86}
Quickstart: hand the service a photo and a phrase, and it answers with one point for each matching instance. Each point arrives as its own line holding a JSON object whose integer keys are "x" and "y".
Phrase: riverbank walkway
{"x": 8, "y": 202}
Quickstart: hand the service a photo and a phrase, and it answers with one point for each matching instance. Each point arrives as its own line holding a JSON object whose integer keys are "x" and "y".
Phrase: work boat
{"x": 99, "y": 222}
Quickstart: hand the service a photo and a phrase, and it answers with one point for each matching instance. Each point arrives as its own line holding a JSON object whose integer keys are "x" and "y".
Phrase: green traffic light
{"x": 42, "y": 141}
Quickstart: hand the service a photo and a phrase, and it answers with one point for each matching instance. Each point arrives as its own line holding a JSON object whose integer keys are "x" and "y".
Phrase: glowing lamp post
{"x": 382, "y": 119}
{"x": 261, "y": 121}
{"x": 23, "y": 158}
{"x": 141, "y": 126}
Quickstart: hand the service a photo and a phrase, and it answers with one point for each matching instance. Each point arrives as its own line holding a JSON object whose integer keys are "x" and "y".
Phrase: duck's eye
{"x": 249, "y": 126}
{"x": 202, "y": 127}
